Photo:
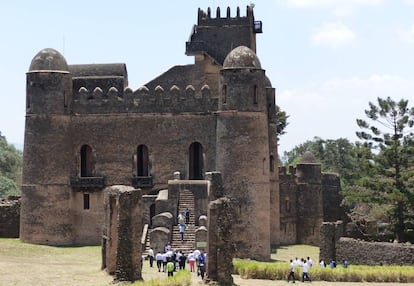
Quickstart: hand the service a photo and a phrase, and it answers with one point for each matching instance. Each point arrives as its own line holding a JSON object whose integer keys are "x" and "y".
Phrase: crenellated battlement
{"x": 218, "y": 36}
{"x": 160, "y": 99}
{"x": 206, "y": 19}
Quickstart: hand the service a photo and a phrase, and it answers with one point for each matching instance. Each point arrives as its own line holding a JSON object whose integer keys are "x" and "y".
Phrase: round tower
{"x": 48, "y": 84}
{"x": 45, "y": 215}
{"x": 242, "y": 149}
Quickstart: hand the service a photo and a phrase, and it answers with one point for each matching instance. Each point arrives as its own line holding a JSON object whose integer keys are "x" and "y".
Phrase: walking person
{"x": 201, "y": 265}
{"x": 158, "y": 259}
{"x": 170, "y": 267}
{"x": 291, "y": 272}
{"x": 151, "y": 256}
{"x": 305, "y": 274}
{"x": 182, "y": 229}
{"x": 191, "y": 261}
{"x": 187, "y": 216}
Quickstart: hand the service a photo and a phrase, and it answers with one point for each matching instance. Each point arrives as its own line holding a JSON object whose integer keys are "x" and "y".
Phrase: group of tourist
{"x": 333, "y": 263}
{"x": 306, "y": 264}
{"x": 170, "y": 260}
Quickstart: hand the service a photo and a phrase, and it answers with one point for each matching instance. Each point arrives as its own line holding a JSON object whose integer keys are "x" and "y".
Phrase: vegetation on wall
{"x": 10, "y": 168}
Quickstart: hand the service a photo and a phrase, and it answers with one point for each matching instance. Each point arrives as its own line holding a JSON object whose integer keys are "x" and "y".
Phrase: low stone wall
{"x": 373, "y": 253}
{"x": 10, "y": 217}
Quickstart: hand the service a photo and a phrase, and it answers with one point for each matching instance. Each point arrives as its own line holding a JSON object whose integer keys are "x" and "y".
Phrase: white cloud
{"x": 332, "y": 35}
{"x": 409, "y": 2}
{"x": 333, "y": 3}
{"x": 339, "y": 8}
{"x": 407, "y": 35}
{"x": 329, "y": 109}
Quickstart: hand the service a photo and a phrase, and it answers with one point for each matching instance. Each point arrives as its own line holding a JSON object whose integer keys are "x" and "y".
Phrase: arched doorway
{"x": 195, "y": 161}
{"x": 142, "y": 161}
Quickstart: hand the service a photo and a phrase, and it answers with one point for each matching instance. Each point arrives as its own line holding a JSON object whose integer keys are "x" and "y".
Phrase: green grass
{"x": 180, "y": 278}
{"x": 67, "y": 266}
{"x": 279, "y": 270}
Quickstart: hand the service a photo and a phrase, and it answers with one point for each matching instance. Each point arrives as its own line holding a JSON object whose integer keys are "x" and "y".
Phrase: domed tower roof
{"x": 241, "y": 57}
{"x": 308, "y": 158}
{"x": 49, "y": 60}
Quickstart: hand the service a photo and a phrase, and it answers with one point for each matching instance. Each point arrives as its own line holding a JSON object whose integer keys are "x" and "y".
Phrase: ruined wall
{"x": 374, "y": 253}
{"x": 122, "y": 233}
{"x": 332, "y": 199}
{"x": 309, "y": 203}
{"x": 288, "y": 212}
{"x": 307, "y": 198}
{"x": 10, "y": 217}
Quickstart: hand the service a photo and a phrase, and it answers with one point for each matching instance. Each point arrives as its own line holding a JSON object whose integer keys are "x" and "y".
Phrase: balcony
{"x": 258, "y": 27}
{"x": 87, "y": 182}
{"x": 142, "y": 182}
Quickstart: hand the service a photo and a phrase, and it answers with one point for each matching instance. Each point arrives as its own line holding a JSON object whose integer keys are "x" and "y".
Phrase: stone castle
{"x": 86, "y": 129}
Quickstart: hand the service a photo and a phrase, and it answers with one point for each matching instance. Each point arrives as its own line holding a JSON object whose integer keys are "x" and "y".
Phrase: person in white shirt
{"x": 158, "y": 259}
{"x": 291, "y": 271}
{"x": 191, "y": 260}
{"x": 151, "y": 256}
{"x": 305, "y": 274}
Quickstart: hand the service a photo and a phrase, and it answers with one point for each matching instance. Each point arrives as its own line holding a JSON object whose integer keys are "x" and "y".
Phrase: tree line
{"x": 11, "y": 161}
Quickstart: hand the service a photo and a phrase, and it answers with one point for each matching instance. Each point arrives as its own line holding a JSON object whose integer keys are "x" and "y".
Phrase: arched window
{"x": 86, "y": 166}
{"x": 142, "y": 161}
{"x": 196, "y": 161}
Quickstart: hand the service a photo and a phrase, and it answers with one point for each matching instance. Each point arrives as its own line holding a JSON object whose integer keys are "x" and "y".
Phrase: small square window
{"x": 86, "y": 202}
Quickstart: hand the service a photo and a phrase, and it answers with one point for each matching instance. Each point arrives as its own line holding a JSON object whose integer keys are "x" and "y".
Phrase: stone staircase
{"x": 186, "y": 200}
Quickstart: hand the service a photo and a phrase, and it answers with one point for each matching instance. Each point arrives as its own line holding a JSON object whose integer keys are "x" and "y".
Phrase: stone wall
{"x": 374, "y": 253}
{"x": 307, "y": 198}
{"x": 335, "y": 247}
{"x": 10, "y": 217}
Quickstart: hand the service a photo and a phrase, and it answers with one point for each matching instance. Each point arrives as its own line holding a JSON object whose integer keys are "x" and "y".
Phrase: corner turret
{"x": 243, "y": 83}
{"x": 48, "y": 84}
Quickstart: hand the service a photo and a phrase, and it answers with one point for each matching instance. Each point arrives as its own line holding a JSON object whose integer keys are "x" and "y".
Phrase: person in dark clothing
{"x": 187, "y": 216}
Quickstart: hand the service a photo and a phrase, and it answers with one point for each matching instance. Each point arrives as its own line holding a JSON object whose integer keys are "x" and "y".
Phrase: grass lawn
{"x": 28, "y": 264}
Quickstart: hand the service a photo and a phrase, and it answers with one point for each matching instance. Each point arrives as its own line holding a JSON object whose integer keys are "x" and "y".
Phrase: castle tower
{"x": 242, "y": 149}
{"x": 45, "y": 210}
{"x": 309, "y": 199}
{"x": 217, "y": 36}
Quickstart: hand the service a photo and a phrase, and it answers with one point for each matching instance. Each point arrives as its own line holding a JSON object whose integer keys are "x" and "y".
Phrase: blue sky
{"x": 326, "y": 58}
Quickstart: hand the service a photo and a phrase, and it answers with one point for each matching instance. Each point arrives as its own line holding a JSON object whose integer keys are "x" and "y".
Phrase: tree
{"x": 281, "y": 119}
{"x": 335, "y": 155}
{"x": 390, "y": 135}
{"x": 10, "y": 168}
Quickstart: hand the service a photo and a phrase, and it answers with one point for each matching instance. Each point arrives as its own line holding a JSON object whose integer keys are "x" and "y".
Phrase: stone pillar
{"x": 330, "y": 233}
{"x": 220, "y": 243}
{"x": 123, "y": 227}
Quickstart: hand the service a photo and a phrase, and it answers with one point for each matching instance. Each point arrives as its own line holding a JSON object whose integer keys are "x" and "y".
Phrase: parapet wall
{"x": 10, "y": 217}
{"x": 335, "y": 247}
{"x": 159, "y": 100}
{"x": 374, "y": 253}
